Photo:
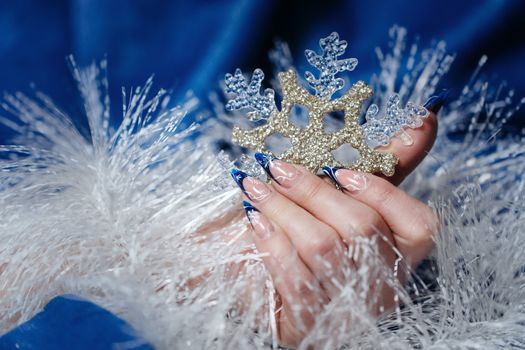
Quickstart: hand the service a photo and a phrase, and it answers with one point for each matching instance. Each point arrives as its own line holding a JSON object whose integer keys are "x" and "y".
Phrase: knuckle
{"x": 321, "y": 244}
{"x": 424, "y": 224}
{"x": 277, "y": 209}
{"x": 310, "y": 189}
{"x": 304, "y": 289}
{"x": 286, "y": 259}
{"x": 368, "y": 224}
{"x": 385, "y": 195}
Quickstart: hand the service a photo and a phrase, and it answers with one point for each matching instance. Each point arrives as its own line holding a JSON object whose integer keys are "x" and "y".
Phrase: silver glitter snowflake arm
{"x": 380, "y": 128}
{"x": 328, "y": 65}
{"x": 248, "y": 95}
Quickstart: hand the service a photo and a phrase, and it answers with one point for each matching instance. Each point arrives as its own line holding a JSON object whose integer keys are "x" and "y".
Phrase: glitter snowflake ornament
{"x": 311, "y": 146}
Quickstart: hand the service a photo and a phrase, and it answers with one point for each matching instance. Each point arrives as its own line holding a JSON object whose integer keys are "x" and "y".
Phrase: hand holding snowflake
{"x": 318, "y": 242}
{"x": 313, "y": 218}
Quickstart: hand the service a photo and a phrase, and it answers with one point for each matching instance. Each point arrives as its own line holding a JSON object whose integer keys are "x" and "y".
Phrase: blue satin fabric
{"x": 190, "y": 44}
{"x": 68, "y": 322}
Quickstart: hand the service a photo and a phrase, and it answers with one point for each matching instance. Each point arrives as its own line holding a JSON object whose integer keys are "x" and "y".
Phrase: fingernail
{"x": 264, "y": 161}
{"x": 262, "y": 227}
{"x": 352, "y": 181}
{"x": 252, "y": 188}
{"x": 330, "y": 172}
{"x": 238, "y": 176}
{"x": 281, "y": 172}
{"x": 434, "y": 103}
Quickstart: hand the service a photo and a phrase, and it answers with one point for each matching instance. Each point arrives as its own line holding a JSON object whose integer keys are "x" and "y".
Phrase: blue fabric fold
{"x": 69, "y": 322}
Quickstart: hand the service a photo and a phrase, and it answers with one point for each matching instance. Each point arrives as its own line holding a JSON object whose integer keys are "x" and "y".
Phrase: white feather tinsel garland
{"x": 112, "y": 218}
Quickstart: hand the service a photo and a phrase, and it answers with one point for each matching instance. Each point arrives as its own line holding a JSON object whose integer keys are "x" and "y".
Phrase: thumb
{"x": 423, "y": 140}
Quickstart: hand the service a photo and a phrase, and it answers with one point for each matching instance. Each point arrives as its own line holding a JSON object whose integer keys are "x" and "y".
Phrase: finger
{"x": 301, "y": 294}
{"x": 349, "y": 217}
{"x": 422, "y": 141}
{"x": 317, "y": 244}
{"x": 412, "y": 222}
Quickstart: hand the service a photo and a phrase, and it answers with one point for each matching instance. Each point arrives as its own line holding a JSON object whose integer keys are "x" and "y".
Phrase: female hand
{"x": 304, "y": 225}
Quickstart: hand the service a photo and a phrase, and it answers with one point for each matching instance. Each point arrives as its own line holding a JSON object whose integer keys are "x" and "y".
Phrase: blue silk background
{"x": 190, "y": 44}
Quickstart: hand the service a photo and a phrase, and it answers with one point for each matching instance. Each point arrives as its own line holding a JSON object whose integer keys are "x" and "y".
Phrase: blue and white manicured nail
{"x": 434, "y": 103}
{"x": 250, "y": 211}
{"x": 330, "y": 172}
{"x": 262, "y": 227}
{"x": 281, "y": 172}
{"x": 252, "y": 188}
{"x": 264, "y": 161}
{"x": 352, "y": 181}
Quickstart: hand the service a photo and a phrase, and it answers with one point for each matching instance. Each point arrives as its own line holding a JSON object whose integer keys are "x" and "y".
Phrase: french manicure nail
{"x": 252, "y": 188}
{"x": 330, "y": 172}
{"x": 264, "y": 161}
{"x": 239, "y": 176}
{"x": 352, "y": 181}
{"x": 281, "y": 172}
{"x": 262, "y": 227}
{"x": 434, "y": 103}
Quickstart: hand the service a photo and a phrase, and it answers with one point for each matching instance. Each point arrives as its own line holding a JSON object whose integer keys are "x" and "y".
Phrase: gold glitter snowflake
{"x": 311, "y": 146}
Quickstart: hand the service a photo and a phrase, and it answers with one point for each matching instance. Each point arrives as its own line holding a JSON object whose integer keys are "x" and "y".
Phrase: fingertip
{"x": 412, "y": 153}
{"x": 434, "y": 103}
